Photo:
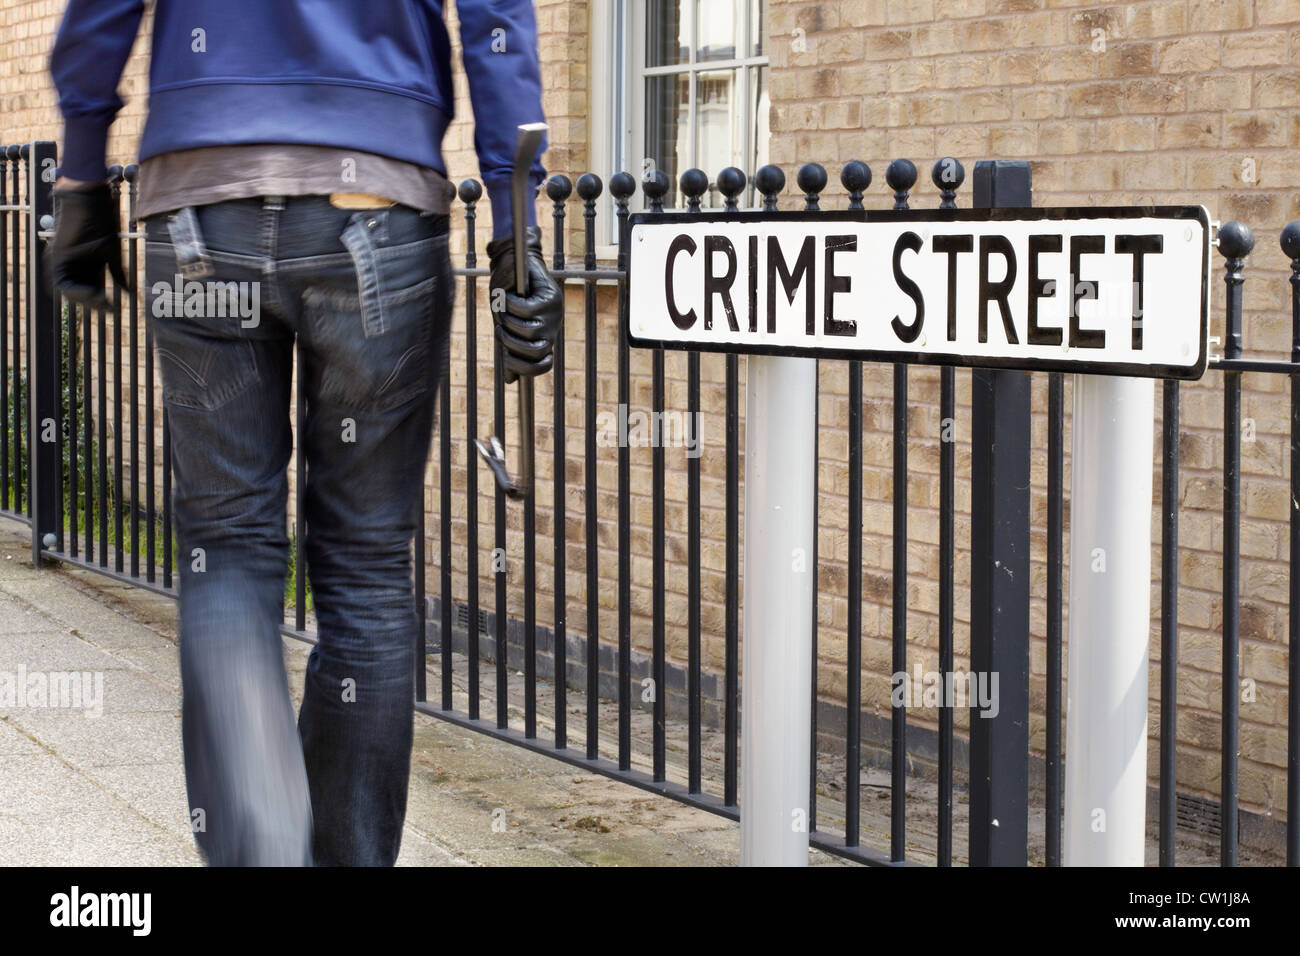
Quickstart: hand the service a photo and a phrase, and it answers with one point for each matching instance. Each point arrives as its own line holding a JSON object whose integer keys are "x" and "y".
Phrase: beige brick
{"x": 1275, "y": 11}
{"x": 1154, "y": 19}
{"x": 886, "y": 44}
{"x": 1263, "y": 128}
{"x": 1221, "y": 92}
{"x": 1196, "y": 54}
{"x": 1277, "y": 89}
{"x": 1188, "y": 130}
{"x": 1215, "y": 15}
{"x": 908, "y": 76}
{"x": 1255, "y": 49}
{"x": 1096, "y": 99}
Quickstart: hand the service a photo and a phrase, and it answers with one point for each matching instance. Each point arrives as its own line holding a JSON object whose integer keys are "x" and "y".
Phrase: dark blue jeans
{"x": 367, "y": 297}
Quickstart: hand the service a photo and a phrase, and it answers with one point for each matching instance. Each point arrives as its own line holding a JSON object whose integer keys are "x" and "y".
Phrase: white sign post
{"x": 775, "y": 720}
{"x": 1110, "y": 622}
{"x": 1103, "y": 292}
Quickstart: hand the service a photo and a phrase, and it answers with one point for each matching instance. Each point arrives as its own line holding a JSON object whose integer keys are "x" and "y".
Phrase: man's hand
{"x": 85, "y": 243}
{"x": 526, "y": 326}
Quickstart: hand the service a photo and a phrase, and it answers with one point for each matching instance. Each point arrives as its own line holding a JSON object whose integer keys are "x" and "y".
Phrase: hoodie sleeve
{"x": 89, "y": 54}
{"x": 498, "y": 41}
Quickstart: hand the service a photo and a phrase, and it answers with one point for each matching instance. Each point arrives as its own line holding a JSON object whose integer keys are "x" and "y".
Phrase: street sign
{"x": 1118, "y": 291}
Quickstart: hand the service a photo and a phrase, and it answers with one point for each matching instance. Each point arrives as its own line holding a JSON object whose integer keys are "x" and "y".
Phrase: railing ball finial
{"x": 811, "y": 178}
{"x": 947, "y": 175}
{"x": 655, "y": 185}
{"x": 589, "y": 187}
{"x": 558, "y": 188}
{"x": 694, "y": 183}
{"x": 115, "y": 173}
{"x": 731, "y": 183}
{"x": 769, "y": 181}
{"x": 470, "y": 191}
{"x": 13, "y": 152}
{"x": 1290, "y": 241}
{"x": 901, "y": 177}
{"x": 1235, "y": 242}
{"x": 622, "y": 186}
{"x": 130, "y": 172}
{"x": 855, "y": 177}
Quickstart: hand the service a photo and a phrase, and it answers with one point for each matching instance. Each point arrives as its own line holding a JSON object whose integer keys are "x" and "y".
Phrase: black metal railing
{"x": 105, "y": 480}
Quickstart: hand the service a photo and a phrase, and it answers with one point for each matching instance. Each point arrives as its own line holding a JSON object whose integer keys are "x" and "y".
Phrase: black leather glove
{"x": 85, "y": 243}
{"x": 528, "y": 326}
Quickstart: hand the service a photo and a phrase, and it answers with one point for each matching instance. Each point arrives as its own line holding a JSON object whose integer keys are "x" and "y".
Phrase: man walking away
{"x": 291, "y": 164}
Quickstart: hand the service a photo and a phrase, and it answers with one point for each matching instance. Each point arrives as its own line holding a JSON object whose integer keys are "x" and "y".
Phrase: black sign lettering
{"x": 834, "y": 284}
{"x": 719, "y": 285}
{"x": 1081, "y": 338}
{"x": 683, "y": 320}
{"x": 951, "y": 245}
{"x": 1137, "y": 247}
{"x": 805, "y": 268}
{"x": 998, "y": 292}
{"x": 1041, "y": 289}
{"x": 908, "y": 333}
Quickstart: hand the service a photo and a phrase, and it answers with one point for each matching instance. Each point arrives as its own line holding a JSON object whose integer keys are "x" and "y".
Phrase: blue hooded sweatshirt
{"x": 370, "y": 75}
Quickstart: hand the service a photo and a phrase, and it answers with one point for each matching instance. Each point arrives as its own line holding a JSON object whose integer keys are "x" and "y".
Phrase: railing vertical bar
{"x": 444, "y": 543}
{"x": 115, "y": 181}
{"x": 947, "y": 554}
{"x": 101, "y": 487}
{"x": 9, "y": 222}
{"x": 948, "y": 175}
{"x": 1055, "y": 527}
{"x": 87, "y": 425}
{"x": 1290, "y": 241}
{"x": 589, "y": 188}
{"x": 499, "y": 568}
{"x": 558, "y": 189}
{"x": 132, "y": 267}
{"x": 655, "y": 188}
{"x": 15, "y": 333}
{"x": 74, "y": 480}
{"x": 150, "y": 506}
{"x": 1169, "y": 627}
{"x": 901, "y": 177}
{"x": 898, "y": 623}
{"x": 1235, "y": 242}
{"x": 693, "y": 184}
{"x": 853, "y": 705}
{"x": 693, "y": 663}
{"x": 469, "y": 193}
{"x": 622, "y": 186}
{"x": 731, "y": 667}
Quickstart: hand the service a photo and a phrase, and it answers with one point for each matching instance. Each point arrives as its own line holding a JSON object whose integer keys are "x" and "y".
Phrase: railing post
{"x": 44, "y": 376}
{"x": 999, "y": 745}
{"x": 1235, "y": 242}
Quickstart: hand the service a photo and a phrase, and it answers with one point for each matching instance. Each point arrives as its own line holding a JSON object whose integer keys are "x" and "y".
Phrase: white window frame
{"x": 618, "y": 73}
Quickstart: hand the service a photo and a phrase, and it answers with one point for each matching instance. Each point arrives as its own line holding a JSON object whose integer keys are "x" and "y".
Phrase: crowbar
{"x": 493, "y": 452}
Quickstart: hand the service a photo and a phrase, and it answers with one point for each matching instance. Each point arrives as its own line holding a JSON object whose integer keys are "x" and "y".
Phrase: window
{"x": 676, "y": 84}
{"x": 701, "y": 82}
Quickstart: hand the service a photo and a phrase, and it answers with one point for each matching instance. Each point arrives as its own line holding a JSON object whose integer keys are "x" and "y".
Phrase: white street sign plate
{"x": 1121, "y": 291}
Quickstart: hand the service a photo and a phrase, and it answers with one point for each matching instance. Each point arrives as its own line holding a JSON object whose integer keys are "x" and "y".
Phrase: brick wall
{"x": 1171, "y": 101}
